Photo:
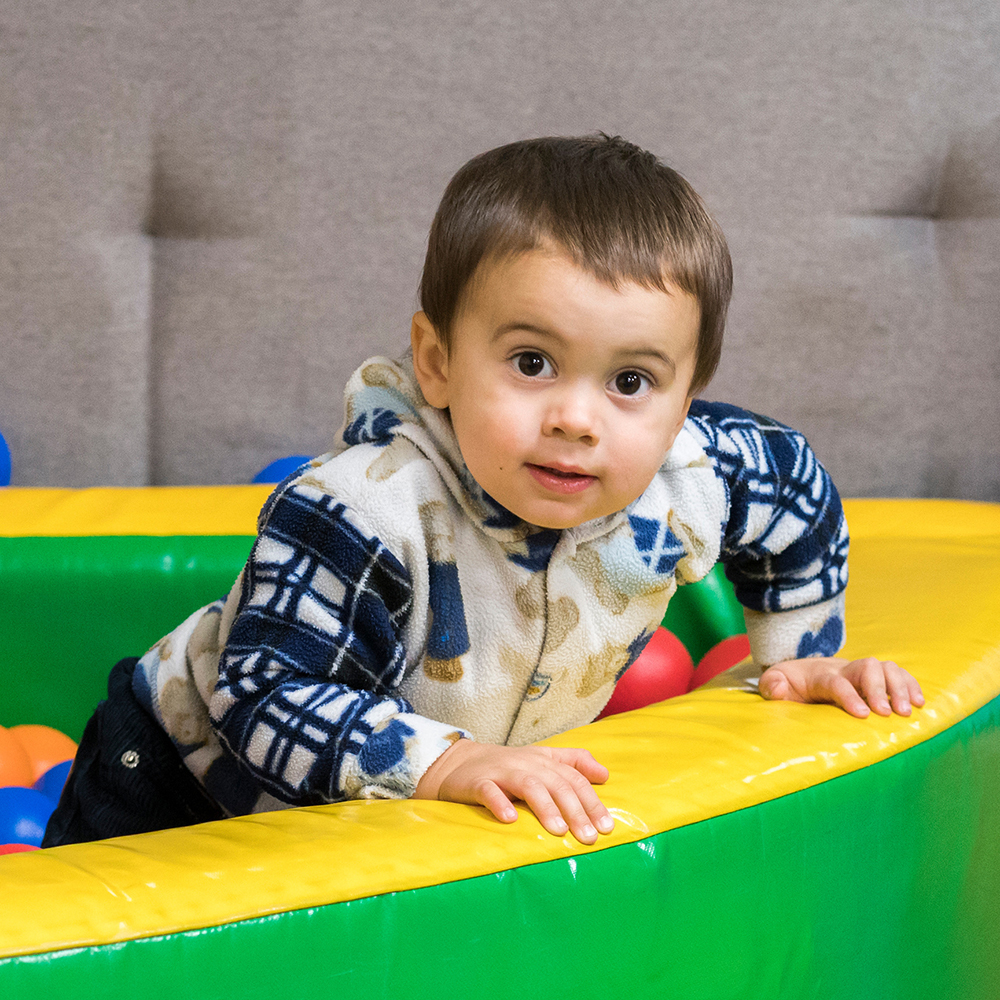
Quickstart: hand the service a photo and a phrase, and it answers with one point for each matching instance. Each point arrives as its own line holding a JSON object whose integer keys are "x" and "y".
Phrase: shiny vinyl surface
{"x": 733, "y": 839}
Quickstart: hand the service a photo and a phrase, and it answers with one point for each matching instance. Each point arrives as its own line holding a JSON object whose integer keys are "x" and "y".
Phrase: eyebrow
{"x": 627, "y": 353}
{"x": 650, "y": 352}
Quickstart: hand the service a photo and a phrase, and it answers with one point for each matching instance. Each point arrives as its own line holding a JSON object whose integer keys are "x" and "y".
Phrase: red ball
{"x": 17, "y": 848}
{"x": 663, "y": 670}
{"x": 721, "y": 656}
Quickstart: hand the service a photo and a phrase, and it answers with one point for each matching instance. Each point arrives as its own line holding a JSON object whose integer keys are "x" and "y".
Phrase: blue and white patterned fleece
{"x": 390, "y": 607}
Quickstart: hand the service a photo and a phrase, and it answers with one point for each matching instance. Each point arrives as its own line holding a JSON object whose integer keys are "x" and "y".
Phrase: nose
{"x": 572, "y": 413}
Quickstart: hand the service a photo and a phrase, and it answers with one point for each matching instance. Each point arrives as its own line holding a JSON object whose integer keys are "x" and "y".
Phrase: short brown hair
{"x": 616, "y": 209}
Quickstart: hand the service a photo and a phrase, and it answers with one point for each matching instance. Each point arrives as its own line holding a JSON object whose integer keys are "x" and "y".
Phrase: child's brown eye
{"x": 630, "y": 383}
{"x": 531, "y": 364}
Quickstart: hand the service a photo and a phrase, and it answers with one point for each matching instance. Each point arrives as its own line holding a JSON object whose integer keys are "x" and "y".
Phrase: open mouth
{"x": 560, "y": 480}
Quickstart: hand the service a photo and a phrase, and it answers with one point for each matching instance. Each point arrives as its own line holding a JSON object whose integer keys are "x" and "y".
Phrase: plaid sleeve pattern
{"x": 304, "y": 697}
{"x": 785, "y": 543}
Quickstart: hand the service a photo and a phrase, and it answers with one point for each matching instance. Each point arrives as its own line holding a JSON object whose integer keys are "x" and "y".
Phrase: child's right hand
{"x": 554, "y": 782}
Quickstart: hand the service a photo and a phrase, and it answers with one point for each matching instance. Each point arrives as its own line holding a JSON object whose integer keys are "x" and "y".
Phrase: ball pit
{"x": 34, "y": 763}
{"x": 761, "y": 849}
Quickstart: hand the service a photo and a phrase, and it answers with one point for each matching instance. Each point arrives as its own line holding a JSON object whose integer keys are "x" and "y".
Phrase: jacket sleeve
{"x": 305, "y": 696}
{"x": 785, "y": 542}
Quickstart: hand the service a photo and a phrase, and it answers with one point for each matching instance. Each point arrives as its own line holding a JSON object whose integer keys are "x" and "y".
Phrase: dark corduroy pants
{"x": 127, "y": 776}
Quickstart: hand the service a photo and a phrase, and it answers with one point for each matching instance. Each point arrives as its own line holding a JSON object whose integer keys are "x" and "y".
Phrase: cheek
{"x": 491, "y": 434}
{"x": 641, "y": 453}
{"x": 496, "y": 443}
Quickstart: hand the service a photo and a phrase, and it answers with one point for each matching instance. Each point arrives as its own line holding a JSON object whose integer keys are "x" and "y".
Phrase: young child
{"x": 497, "y": 531}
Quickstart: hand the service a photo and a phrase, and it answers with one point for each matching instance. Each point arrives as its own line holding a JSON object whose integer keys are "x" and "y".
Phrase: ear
{"x": 430, "y": 361}
{"x": 680, "y": 421}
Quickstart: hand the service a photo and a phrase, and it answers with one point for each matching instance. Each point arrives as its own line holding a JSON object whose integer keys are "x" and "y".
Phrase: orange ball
{"x": 15, "y": 764}
{"x": 44, "y": 746}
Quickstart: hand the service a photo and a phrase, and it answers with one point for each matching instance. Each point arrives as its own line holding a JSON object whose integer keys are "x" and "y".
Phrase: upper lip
{"x": 574, "y": 470}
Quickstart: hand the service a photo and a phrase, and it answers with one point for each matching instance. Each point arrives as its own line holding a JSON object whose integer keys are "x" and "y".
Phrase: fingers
{"x": 560, "y": 794}
{"x": 840, "y": 691}
{"x": 887, "y": 687}
{"x": 580, "y": 805}
{"x": 567, "y": 802}
{"x": 582, "y": 760}
{"x": 903, "y": 689}
{"x": 857, "y": 686}
{"x": 555, "y": 783}
{"x": 871, "y": 681}
{"x": 897, "y": 690}
{"x": 586, "y": 772}
{"x": 494, "y": 799}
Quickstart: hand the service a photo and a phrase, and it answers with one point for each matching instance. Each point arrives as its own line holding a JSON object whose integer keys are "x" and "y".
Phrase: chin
{"x": 558, "y": 521}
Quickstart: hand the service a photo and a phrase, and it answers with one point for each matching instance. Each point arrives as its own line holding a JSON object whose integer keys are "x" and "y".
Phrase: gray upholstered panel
{"x": 210, "y": 212}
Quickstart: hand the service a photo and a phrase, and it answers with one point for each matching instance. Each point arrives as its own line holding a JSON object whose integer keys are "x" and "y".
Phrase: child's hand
{"x": 554, "y": 782}
{"x": 883, "y": 685}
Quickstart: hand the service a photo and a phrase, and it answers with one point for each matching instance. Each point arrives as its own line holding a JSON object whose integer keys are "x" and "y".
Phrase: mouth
{"x": 561, "y": 480}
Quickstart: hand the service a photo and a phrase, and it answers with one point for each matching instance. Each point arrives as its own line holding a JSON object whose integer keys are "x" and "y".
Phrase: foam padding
{"x": 761, "y": 849}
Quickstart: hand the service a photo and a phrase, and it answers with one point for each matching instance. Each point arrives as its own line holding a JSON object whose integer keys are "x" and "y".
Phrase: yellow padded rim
{"x": 925, "y": 589}
{"x": 116, "y": 510}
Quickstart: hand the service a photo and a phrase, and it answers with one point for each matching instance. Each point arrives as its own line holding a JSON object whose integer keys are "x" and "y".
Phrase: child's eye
{"x": 631, "y": 384}
{"x": 533, "y": 364}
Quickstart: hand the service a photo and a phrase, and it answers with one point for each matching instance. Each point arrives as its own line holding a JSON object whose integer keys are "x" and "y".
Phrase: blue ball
{"x": 280, "y": 468}
{"x": 23, "y": 815}
{"x": 4, "y": 463}
{"x": 51, "y": 783}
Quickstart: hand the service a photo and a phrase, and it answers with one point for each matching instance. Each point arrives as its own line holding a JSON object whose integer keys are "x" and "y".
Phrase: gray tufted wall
{"x": 212, "y": 210}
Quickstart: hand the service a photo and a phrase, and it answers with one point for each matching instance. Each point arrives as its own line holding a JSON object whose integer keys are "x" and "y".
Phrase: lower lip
{"x": 560, "y": 484}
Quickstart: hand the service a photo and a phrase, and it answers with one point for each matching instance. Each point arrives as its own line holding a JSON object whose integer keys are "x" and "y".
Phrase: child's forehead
{"x": 535, "y": 260}
{"x": 533, "y": 265}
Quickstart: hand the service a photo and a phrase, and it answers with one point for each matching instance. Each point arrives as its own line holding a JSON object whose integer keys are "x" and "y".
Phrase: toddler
{"x": 497, "y": 531}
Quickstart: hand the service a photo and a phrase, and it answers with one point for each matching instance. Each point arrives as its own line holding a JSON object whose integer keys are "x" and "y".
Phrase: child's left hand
{"x": 857, "y": 686}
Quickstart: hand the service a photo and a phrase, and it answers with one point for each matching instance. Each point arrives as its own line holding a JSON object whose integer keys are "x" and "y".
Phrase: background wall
{"x": 212, "y": 210}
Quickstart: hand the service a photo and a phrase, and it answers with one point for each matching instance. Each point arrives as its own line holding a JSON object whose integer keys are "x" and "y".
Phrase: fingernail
{"x": 605, "y": 824}
{"x": 589, "y": 832}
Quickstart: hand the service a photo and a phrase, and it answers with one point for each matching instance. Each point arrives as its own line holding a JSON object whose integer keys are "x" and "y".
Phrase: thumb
{"x": 774, "y": 685}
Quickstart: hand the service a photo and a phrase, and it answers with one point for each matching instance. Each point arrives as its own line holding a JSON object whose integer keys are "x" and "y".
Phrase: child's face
{"x": 564, "y": 393}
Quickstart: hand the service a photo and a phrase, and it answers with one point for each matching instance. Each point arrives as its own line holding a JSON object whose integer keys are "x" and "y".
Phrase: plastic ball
{"x": 23, "y": 815}
{"x": 15, "y": 764}
{"x": 663, "y": 670}
{"x": 44, "y": 746}
{"x": 721, "y": 656}
{"x": 51, "y": 783}
{"x": 280, "y": 468}
{"x": 4, "y": 463}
